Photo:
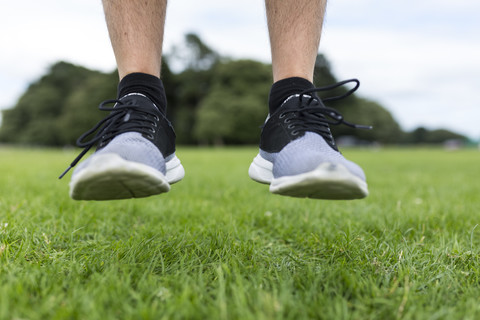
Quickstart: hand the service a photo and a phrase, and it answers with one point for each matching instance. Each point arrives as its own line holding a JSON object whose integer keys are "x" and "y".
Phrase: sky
{"x": 419, "y": 58}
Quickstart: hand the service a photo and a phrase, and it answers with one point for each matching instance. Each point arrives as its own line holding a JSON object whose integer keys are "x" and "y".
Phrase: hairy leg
{"x": 136, "y": 32}
{"x": 294, "y": 27}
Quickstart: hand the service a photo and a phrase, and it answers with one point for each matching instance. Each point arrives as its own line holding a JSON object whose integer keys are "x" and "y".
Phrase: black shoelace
{"x": 123, "y": 118}
{"x": 314, "y": 116}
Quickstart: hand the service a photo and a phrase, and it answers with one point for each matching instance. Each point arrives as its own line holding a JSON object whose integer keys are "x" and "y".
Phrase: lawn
{"x": 220, "y": 246}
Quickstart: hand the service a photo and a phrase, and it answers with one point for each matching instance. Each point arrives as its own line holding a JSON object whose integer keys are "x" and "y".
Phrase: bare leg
{"x": 136, "y": 32}
{"x": 294, "y": 27}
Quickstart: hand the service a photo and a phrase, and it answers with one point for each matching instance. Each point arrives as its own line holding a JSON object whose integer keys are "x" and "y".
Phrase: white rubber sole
{"x": 109, "y": 177}
{"x": 327, "y": 181}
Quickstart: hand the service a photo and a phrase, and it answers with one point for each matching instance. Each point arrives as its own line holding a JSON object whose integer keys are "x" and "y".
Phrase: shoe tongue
{"x": 293, "y": 102}
{"x": 137, "y": 99}
{"x": 287, "y": 101}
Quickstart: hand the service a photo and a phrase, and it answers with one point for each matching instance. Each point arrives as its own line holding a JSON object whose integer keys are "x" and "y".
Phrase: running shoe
{"x": 298, "y": 155}
{"x": 135, "y": 154}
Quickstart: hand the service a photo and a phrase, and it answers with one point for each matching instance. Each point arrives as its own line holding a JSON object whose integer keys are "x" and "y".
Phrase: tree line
{"x": 213, "y": 100}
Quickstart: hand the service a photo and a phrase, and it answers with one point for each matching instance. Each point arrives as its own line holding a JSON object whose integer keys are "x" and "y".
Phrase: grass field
{"x": 219, "y": 246}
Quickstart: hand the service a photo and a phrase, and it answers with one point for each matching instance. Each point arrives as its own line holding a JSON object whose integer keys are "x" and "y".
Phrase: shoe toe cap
{"x": 306, "y": 154}
{"x": 131, "y": 146}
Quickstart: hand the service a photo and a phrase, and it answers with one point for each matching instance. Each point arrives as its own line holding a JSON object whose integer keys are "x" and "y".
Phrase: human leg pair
{"x": 135, "y": 156}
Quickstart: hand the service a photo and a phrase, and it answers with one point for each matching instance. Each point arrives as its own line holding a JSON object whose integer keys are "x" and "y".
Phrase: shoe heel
{"x": 261, "y": 170}
{"x": 175, "y": 170}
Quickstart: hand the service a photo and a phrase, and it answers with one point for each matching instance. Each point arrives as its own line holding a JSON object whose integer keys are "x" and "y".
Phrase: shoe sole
{"x": 110, "y": 177}
{"x": 327, "y": 181}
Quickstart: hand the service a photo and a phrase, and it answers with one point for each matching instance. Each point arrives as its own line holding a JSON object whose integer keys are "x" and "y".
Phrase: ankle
{"x": 146, "y": 84}
{"x": 284, "y": 88}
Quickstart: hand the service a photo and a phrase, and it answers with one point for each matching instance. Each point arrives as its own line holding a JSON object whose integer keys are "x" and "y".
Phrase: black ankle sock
{"x": 145, "y": 84}
{"x": 284, "y": 88}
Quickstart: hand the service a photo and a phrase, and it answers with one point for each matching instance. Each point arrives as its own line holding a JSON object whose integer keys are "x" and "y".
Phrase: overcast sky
{"x": 418, "y": 58}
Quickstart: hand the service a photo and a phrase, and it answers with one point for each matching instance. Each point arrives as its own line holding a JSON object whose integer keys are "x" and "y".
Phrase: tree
{"x": 80, "y": 111}
{"x": 210, "y": 100}
{"x": 366, "y": 112}
{"x": 322, "y": 73}
{"x": 441, "y": 135}
{"x": 193, "y": 54}
{"x": 422, "y": 135}
{"x": 236, "y": 106}
{"x": 186, "y": 89}
{"x": 33, "y": 120}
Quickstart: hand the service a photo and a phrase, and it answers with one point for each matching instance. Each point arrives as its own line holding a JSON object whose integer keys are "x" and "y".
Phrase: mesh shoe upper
{"x": 132, "y": 146}
{"x": 305, "y": 154}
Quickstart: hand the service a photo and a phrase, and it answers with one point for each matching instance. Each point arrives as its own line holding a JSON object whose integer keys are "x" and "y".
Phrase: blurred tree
{"x": 419, "y": 135}
{"x": 362, "y": 111}
{"x": 186, "y": 89}
{"x": 236, "y": 106}
{"x": 441, "y": 135}
{"x": 33, "y": 120}
{"x": 322, "y": 73}
{"x": 211, "y": 100}
{"x": 422, "y": 135}
{"x": 193, "y": 54}
{"x": 191, "y": 87}
{"x": 80, "y": 111}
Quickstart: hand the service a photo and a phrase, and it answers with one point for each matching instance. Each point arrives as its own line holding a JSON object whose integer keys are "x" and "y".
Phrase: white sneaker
{"x": 135, "y": 156}
{"x": 298, "y": 156}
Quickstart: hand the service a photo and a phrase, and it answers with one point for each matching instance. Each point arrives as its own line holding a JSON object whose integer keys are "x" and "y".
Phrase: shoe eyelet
{"x": 149, "y": 136}
{"x": 156, "y": 118}
{"x": 281, "y": 116}
{"x": 152, "y": 130}
{"x": 286, "y": 120}
{"x": 291, "y": 126}
{"x": 295, "y": 132}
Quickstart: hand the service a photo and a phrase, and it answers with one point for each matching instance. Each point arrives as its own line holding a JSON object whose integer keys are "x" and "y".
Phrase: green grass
{"x": 219, "y": 246}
